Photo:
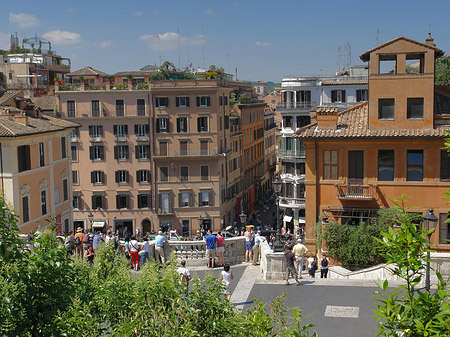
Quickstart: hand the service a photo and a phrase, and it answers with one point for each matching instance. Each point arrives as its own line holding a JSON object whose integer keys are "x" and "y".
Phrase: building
{"x": 260, "y": 88}
{"x": 35, "y": 163}
{"x": 32, "y": 67}
{"x": 360, "y": 158}
{"x": 154, "y": 154}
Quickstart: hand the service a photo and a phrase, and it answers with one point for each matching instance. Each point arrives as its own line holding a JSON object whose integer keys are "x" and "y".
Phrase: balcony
{"x": 141, "y": 138}
{"x": 73, "y": 139}
{"x": 291, "y": 154}
{"x": 121, "y": 138}
{"x": 298, "y": 203}
{"x": 96, "y": 139}
{"x": 296, "y": 105}
{"x": 186, "y": 153}
{"x": 355, "y": 192}
{"x": 165, "y": 210}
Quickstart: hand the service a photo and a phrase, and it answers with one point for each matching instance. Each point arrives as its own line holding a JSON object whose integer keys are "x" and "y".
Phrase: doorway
{"x": 124, "y": 228}
{"x": 146, "y": 226}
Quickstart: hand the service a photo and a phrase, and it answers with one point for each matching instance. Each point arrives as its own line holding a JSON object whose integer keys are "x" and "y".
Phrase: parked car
{"x": 226, "y": 234}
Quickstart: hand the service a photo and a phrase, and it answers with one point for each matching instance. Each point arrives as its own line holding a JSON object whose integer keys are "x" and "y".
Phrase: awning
{"x": 301, "y": 219}
{"x": 287, "y": 218}
{"x": 98, "y": 224}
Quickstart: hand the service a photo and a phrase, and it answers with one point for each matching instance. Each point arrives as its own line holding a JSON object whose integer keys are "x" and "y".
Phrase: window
{"x": 65, "y": 189}
{"x": 202, "y": 124}
{"x": 97, "y": 201}
{"x": 74, "y": 135}
{"x": 183, "y": 147}
{"x": 415, "y": 108}
{"x": 141, "y": 131}
{"x": 445, "y": 166}
{"x": 414, "y": 165}
{"x": 120, "y": 107}
{"x": 74, "y": 152}
{"x": 143, "y": 176}
{"x": 220, "y": 100}
{"x": 361, "y": 95}
{"x": 184, "y": 173}
{"x": 122, "y": 201}
{"x": 23, "y": 156}
{"x": 203, "y": 101}
{"x": 70, "y": 108}
{"x": 57, "y": 196}
{"x": 330, "y": 165}
{"x": 97, "y": 177}
{"x": 142, "y": 151}
{"x": 444, "y": 228}
{"x": 25, "y": 209}
{"x": 75, "y": 178}
{"x": 165, "y": 203}
{"x": 164, "y": 173}
{"x": 63, "y": 147}
{"x": 41, "y": 155}
{"x": 144, "y": 201}
{"x": 205, "y": 199}
{"x": 386, "y": 108}
{"x": 182, "y": 102}
{"x": 43, "y": 202}
{"x": 386, "y": 165}
{"x": 95, "y": 132}
{"x": 76, "y": 202}
{"x": 95, "y": 108}
{"x": 120, "y": 132}
{"x": 96, "y": 152}
{"x": 184, "y": 199}
{"x": 338, "y": 96}
{"x": 182, "y": 124}
{"x": 140, "y": 107}
{"x": 161, "y": 102}
{"x": 121, "y": 152}
{"x": 122, "y": 177}
{"x": 204, "y": 172}
{"x": 162, "y": 125}
{"x": 387, "y": 64}
{"x": 163, "y": 148}
{"x": 355, "y": 167}
{"x": 204, "y": 147}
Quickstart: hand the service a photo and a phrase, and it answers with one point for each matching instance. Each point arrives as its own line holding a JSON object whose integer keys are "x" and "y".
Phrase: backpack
{"x": 314, "y": 265}
{"x": 77, "y": 241}
{"x": 324, "y": 262}
{"x": 86, "y": 238}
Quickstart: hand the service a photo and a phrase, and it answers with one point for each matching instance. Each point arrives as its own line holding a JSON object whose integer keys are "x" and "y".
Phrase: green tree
{"x": 407, "y": 310}
{"x": 442, "y": 70}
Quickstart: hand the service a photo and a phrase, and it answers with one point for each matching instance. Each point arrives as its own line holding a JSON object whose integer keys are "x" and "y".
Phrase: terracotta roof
{"x": 347, "y": 81}
{"x": 365, "y": 56}
{"x": 134, "y": 73}
{"x": 354, "y": 123}
{"x": 87, "y": 71}
{"x": 45, "y": 103}
{"x": 8, "y": 95}
{"x": 36, "y": 125}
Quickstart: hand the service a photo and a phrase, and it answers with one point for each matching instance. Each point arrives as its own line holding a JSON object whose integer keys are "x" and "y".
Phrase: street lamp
{"x": 90, "y": 217}
{"x": 243, "y": 217}
{"x": 200, "y": 224}
{"x": 277, "y": 245}
{"x": 429, "y": 222}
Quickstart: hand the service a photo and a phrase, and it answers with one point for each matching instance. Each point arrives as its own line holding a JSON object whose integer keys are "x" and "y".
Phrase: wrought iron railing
{"x": 355, "y": 192}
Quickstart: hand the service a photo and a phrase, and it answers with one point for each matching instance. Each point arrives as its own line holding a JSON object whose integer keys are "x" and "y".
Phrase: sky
{"x": 263, "y": 40}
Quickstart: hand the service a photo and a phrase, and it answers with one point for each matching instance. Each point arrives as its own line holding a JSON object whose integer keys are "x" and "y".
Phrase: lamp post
{"x": 243, "y": 218}
{"x": 429, "y": 223}
{"x": 277, "y": 245}
{"x": 90, "y": 217}
{"x": 200, "y": 224}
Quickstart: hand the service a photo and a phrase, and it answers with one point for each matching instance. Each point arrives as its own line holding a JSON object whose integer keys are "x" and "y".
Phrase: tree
{"x": 407, "y": 310}
{"x": 442, "y": 70}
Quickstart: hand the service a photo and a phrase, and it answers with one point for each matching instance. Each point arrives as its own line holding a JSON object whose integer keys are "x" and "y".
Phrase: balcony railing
{"x": 297, "y": 153}
{"x": 296, "y": 105}
{"x": 186, "y": 153}
{"x": 121, "y": 138}
{"x": 292, "y": 202}
{"x": 69, "y": 87}
{"x": 142, "y": 138}
{"x": 164, "y": 210}
{"x": 96, "y": 139}
{"x": 355, "y": 192}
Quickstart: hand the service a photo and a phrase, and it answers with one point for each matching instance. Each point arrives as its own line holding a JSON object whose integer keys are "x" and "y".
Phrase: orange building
{"x": 358, "y": 159}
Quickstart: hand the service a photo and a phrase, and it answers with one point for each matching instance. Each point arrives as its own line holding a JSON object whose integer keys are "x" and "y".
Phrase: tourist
{"x": 185, "y": 275}
{"x": 289, "y": 256}
{"x": 96, "y": 240}
{"x": 220, "y": 248}
{"x": 312, "y": 266}
{"x": 144, "y": 250}
{"x": 210, "y": 249}
{"x": 78, "y": 242}
{"x": 248, "y": 244}
{"x": 126, "y": 248}
{"x": 257, "y": 247}
{"x": 134, "y": 252}
{"x": 299, "y": 251}
{"x": 225, "y": 277}
{"x": 89, "y": 254}
{"x": 69, "y": 243}
{"x": 159, "y": 247}
{"x": 324, "y": 262}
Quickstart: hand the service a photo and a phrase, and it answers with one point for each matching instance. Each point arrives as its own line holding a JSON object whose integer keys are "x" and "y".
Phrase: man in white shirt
{"x": 185, "y": 275}
{"x": 257, "y": 247}
{"x": 299, "y": 250}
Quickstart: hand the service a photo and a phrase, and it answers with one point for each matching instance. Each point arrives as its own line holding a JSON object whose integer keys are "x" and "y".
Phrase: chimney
{"x": 327, "y": 117}
{"x": 22, "y": 119}
{"x": 430, "y": 41}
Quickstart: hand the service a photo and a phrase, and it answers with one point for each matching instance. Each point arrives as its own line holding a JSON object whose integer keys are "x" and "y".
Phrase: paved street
{"x": 337, "y": 307}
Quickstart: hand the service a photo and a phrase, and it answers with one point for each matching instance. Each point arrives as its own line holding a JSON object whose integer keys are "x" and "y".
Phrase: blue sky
{"x": 265, "y": 40}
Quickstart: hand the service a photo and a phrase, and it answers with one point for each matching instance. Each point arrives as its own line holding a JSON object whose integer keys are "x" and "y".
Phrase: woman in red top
{"x": 220, "y": 249}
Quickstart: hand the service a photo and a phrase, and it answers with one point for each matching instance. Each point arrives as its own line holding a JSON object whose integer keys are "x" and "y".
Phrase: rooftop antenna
{"x": 378, "y": 37}
{"x": 203, "y": 36}
{"x": 349, "y": 55}
{"x": 179, "y": 55}
{"x": 339, "y": 58}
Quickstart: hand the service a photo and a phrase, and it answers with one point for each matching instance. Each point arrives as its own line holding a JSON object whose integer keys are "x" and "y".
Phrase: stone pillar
{"x": 296, "y": 221}
{"x": 295, "y": 103}
{"x": 288, "y": 100}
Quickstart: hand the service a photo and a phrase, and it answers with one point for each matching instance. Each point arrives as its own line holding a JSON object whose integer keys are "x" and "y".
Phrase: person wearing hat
{"x": 299, "y": 250}
{"x": 79, "y": 246}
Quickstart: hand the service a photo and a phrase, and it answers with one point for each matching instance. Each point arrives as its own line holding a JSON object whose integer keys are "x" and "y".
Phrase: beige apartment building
{"x": 153, "y": 154}
{"x": 35, "y": 164}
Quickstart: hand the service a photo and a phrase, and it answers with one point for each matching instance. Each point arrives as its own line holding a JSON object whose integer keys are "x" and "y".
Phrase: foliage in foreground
{"x": 408, "y": 310}
{"x": 48, "y": 294}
